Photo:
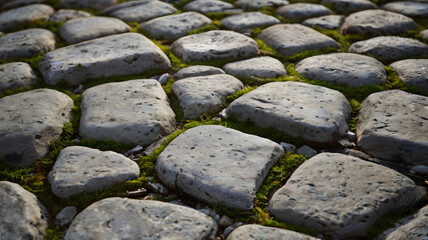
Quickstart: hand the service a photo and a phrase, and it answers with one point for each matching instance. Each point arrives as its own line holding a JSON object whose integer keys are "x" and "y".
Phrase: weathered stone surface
{"x": 80, "y": 170}
{"x": 66, "y": 216}
{"x": 16, "y": 75}
{"x": 410, "y": 9}
{"x": 349, "y": 6}
{"x": 262, "y": 67}
{"x": 326, "y": 22}
{"x": 24, "y": 15}
{"x": 22, "y": 216}
{"x": 218, "y": 165}
{"x": 392, "y": 126}
{"x": 19, "y": 3}
{"x": 256, "y": 232}
{"x": 118, "y": 55}
{"x": 347, "y": 195}
{"x": 248, "y": 20}
{"x": 371, "y": 23}
{"x": 197, "y": 70}
{"x": 299, "y": 11}
{"x": 26, "y": 43}
{"x": 424, "y": 34}
{"x": 347, "y": 69}
{"x": 123, "y": 218}
{"x": 413, "y": 72}
{"x": 315, "y": 113}
{"x": 292, "y": 39}
{"x": 251, "y": 4}
{"x": 307, "y": 151}
{"x": 204, "y": 94}
{"x": 389, "y": 49}
{"x": 141, "y": 11}
{"x": 64, "y": 15}
{"x": 213, "y": 45}
{"x": 87, "y": 4}
{"x": 175, "y": 26}
{"x": 25, "y": 135}
{"x": 136, "y": 112}
{"x": 208, "y": 6}
{"x": 82, "y": 29}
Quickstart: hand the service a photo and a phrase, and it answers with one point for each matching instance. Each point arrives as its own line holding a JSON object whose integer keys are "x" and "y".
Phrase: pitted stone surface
{"x": 24, "y": 15}
{"x": 25, "y": 135}
{"x": 257, "y": 232}
{"x": 258, "y": 4}
{"x": 22, "y": 216}
{"x": 218, "y": 165}
{"x": 292, "y": 39}
{"x": 26, "y": 43}
{"x": 410, "y": 9}
{"x": 141, "y": 11}
{"x": 212, "y": 45}
{"x": 349, "y": 6}
{"x": 175, "y": 26}
{"x": 392, "y": 125}
{"x": 15, "y": 75}
{"x": 87, "y": 4}
{"x": 413, "y": 72}
{"x": 64, "y": 15}
{"x": 134, "y": 112}
{"x": 377, "y": 22}
{"x": 19, "y": 3}
{"x": 204, "y": 94}
{"x": 299, "y": 11}
{"x": 123, "y": 218}
{"x": 82, "y": 29}
{"x": 80, "y": 170}
{"x": 347, "y": 195}
{"x": 196, "y": 71}
{"x": 315, "y": 113}
{"x": 117, "y": 55}
{"x": 262, "y": 67}
{"x": 390, "y": 48}
{"x": 347, "y": 69}
{"x": 248, "y": 20}
{"x": 208, "y": 6}
{"x": 326, "y": 22}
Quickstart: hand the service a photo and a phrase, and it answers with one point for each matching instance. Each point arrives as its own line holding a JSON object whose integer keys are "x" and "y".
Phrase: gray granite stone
{"x": 19, "y": 3}
{"x": 15, "y": 75}
{"x": 257, "y": 232}
{"x": 208, "y": 6}
{"x": 413, "y": 72}
{"x": 300, "y": 11}
{"x": 97, "y": 5}
{"x": 64, "y": 15}
{"x": 142, "y": 11}
{"x": 66, "y": 216}
{"x": 124, "y": 4}
{"x": 197, "y": 70}
{"x": 258, "y": 4}
{"x": 218, "y": 165}
{"x": 349, "y": 6}
{"x": 410, "y": 9}
{"x": 327, "y": 22}
{"x": 307, "y": 151}
{"x": 248, "y": 20}
{"x": 24, "y": 15}
{"x": 261, "y": 67}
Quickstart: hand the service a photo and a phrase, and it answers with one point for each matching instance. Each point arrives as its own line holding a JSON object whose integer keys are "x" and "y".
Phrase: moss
{"x": 268, "y": 11}
{"x": 54, "y": 233}
{"x": 239, "y": 93}
{"x": 218, "y": 15}
{"x": 310, "y": 53}
{"x": 52, "y": 26}
{"x": 394, "y": 82}
{"x": 266, "y": 49}
{"x": 33, "y": 61}
{"x": 203, "y": 29}
{"x": 53, "y": 3}
{"x": 135, "y": 27}
{"x": 175, "y": 105}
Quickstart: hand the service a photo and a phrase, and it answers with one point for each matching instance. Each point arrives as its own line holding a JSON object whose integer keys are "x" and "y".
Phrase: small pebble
{"x": 66, "y": 216}
{"x": 345, "y": 143}
{"x": 307, "y": 151}
{"x": 288, "y": 147}
{"x": 351, "y": 136}
{"x": 420, "y": 170}
{"x": 141, "y": 192}
{"x": 157, "y": 188}
{"x": 163, "y": 79}
{"x": 225, "y": 221}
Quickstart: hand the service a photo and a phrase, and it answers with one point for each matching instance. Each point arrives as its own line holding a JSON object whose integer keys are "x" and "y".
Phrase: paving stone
{"x": 248, "y": 20}
{"x": 64, "y": 15}
{"x": 348, "y": 69}
{"x": 66, "y": 216}
{"x": 26, "y": 43}
{"x": 327, "y": 22}
{"x": 410, "y": 9}
{"x": 205, "y": 94}
{"x": 82, "y": 29}
{"x": 218, "y": 165}
{"x": 24, "y": 15}
{"x": 19, "y": 3}
{"x": 196, "y": 71}
{"x": 80, "y": 170}
{"x": 22, "y": 216}
{"x": 315, "y": 113}
{"x": 138, "y": 112}
{"x": 208, "y": 6}
{"x": 123, "y": 218}
{"x": 391, "y": 125}
{"x": 25, "y": 135}
{"x": 347, "y": 195}
{"x": 255, "y": 5}
{"x": 349, "y": 6}
{"x": 15, "y": 75}
{"x": 371, "y": 23}
{"x": 97, "y": 5}
{"x": 300, "y": 11}
{"x": 413, "y": 72}
{"x": 143, "y": 11}
{"x": 424, "y": 34}
{"x": 292, "y": 39}
{"x": 262, "y": 67}
{"x": 123, "y": 5}
{"x": 117, "y": 55}
{"x": 212, "y": 45}
{"x": 175, "y": 26}
{"x": 390, "y": 48}
{"x": 256, "y": 232}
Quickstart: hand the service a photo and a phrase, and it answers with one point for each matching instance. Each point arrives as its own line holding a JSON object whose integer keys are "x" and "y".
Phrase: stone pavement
{"x": 213, "y": 119}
